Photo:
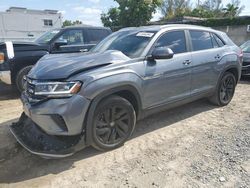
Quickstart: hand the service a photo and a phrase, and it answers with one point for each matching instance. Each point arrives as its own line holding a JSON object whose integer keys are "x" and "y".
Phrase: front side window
{"x": 201, "y": 40}
{"x": 174, "y": 40}
{"x": 72, "y": 37}
{"x": 131, "y": 43}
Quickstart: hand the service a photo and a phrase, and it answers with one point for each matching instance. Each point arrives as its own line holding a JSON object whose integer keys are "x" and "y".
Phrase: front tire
{"x": 20, "y": 77}
{"x": 225, "y": 90}
{"x": 113, "y": 123}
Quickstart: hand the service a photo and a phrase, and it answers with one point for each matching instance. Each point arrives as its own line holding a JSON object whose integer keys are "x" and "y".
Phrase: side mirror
{"x": 162, "y": 53}
{"x": 60, "y": 43}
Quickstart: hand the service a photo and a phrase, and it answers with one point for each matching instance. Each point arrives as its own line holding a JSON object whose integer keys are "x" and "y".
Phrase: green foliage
{"x": 175, "y": 8}
{"x": 225, "y": 22}
{"x": 111, "y": 19}
{"x": 130, "y": 13}
{"x": 70, "y": 23}
{"x": 204, "y": 9}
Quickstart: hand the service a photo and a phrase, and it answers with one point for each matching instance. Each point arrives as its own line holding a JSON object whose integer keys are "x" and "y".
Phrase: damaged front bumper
{"x": 36, "y": 141}
{"x": 52, "y": 128}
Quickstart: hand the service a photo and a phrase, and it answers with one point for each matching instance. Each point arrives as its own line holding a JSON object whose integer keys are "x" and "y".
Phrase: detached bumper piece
{"x": 36, "y": 141}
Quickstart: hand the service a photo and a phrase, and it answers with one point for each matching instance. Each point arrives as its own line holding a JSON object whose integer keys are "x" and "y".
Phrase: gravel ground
{"x": 196, "y": 145}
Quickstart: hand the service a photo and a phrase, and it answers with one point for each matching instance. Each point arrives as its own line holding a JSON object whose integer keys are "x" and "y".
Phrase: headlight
{"x": 57, "y": 89}
{"x": 1, "y": 57}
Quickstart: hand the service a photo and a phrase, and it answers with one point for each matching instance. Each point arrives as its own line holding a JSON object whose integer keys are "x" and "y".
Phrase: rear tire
{"x": 20, "y": 77}
{"x": 225, "y": 90}
{"x": 113, "y": 123}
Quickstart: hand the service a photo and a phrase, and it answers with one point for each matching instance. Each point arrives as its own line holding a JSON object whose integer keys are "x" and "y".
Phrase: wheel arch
{"x": 232, "y": 69}
{"x": 128, "y": 92}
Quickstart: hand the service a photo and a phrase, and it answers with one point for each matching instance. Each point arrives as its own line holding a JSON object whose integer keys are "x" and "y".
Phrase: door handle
{"x": 84, "y": 50}
{"x": 187, "y": 62}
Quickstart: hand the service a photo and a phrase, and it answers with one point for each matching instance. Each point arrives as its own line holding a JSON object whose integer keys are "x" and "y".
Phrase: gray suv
{"x": 96, "y": 98}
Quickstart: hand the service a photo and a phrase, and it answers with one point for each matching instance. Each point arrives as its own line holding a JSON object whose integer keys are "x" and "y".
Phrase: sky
{"x": 88, "y": 11}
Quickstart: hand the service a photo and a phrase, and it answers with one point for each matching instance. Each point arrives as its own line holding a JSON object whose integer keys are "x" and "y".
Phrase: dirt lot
{"x": 196, "y": 145}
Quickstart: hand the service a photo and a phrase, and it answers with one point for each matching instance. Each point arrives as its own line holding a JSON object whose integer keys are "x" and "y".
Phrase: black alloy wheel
{"x": 114, "y": 122}
{"x": 225, "y": 90}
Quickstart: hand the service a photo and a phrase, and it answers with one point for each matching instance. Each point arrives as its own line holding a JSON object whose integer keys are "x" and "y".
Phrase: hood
{"x": 25, "y": 46}
{"x": 62, "y": 66}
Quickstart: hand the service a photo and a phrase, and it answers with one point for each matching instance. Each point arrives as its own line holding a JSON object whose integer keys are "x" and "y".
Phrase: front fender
{"x": 115, "y": 82}
{"x": 101, "y": 88}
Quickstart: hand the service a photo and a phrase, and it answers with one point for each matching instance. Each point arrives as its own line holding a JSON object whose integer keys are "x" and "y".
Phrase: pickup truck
{"x": 17, "y": 58}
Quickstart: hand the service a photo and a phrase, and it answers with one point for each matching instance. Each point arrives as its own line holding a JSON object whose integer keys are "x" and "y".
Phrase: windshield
{"x": 245, "y": 47}
{"x": 131, "y": 43}
{"x": 46, "y": 37}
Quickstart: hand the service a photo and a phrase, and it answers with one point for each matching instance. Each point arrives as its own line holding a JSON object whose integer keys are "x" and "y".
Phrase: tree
{"x": 130, "y": 13}
{"x": 175, "y": 8}
{"x": 111, "y": 19}
{"x": 70, "y": 23}
{"x": 233, "y": 9}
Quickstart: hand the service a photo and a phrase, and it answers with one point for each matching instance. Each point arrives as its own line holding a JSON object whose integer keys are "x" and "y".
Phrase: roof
{"x": 85, "y": 26}
{"x": 170, "y": 26}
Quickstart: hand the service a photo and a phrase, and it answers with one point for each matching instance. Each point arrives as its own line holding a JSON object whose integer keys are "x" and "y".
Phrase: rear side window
{"x": 201, "y": 40}
{"x": 96, "y": 35}
{"x": 174, "y": 40}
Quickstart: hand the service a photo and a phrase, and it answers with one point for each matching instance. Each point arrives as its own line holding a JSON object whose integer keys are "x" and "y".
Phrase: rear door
{"x": 205, "y": 57}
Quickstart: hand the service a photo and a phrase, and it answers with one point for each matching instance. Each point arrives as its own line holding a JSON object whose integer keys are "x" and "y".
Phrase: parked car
{"x": 17, "y": 58}
{"x": 96, "y": 99}
{"x": 246, "y": 58}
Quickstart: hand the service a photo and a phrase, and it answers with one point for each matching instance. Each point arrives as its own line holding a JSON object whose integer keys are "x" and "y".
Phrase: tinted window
{"x": 73, "y": 37}
{"x": 201, "y": 40}
{"x": 174, "y": 40}
{"x": 218, "y": 40}
{"x": 215, "y": 43}
{"x": 96, "y": 35}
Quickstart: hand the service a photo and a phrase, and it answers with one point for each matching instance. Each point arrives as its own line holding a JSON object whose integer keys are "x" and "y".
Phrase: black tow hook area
{"x": 35, "y": 140}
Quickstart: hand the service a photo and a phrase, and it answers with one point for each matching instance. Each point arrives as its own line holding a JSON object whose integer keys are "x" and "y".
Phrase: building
{"x": 18, "y": 23}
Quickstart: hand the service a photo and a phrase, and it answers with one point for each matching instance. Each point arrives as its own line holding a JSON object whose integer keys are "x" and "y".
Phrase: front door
{"x": 75, "y": 41}
{"x": 168, "y": 80}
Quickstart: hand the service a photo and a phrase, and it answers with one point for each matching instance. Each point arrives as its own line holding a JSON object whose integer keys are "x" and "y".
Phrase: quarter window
{"x": 218, "y": 40}
{"x": 174, "y": 40}
{"x": 201, "y": 40}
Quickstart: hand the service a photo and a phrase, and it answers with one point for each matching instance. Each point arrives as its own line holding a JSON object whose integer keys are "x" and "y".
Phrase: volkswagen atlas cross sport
{"x": 76, "y": 100}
